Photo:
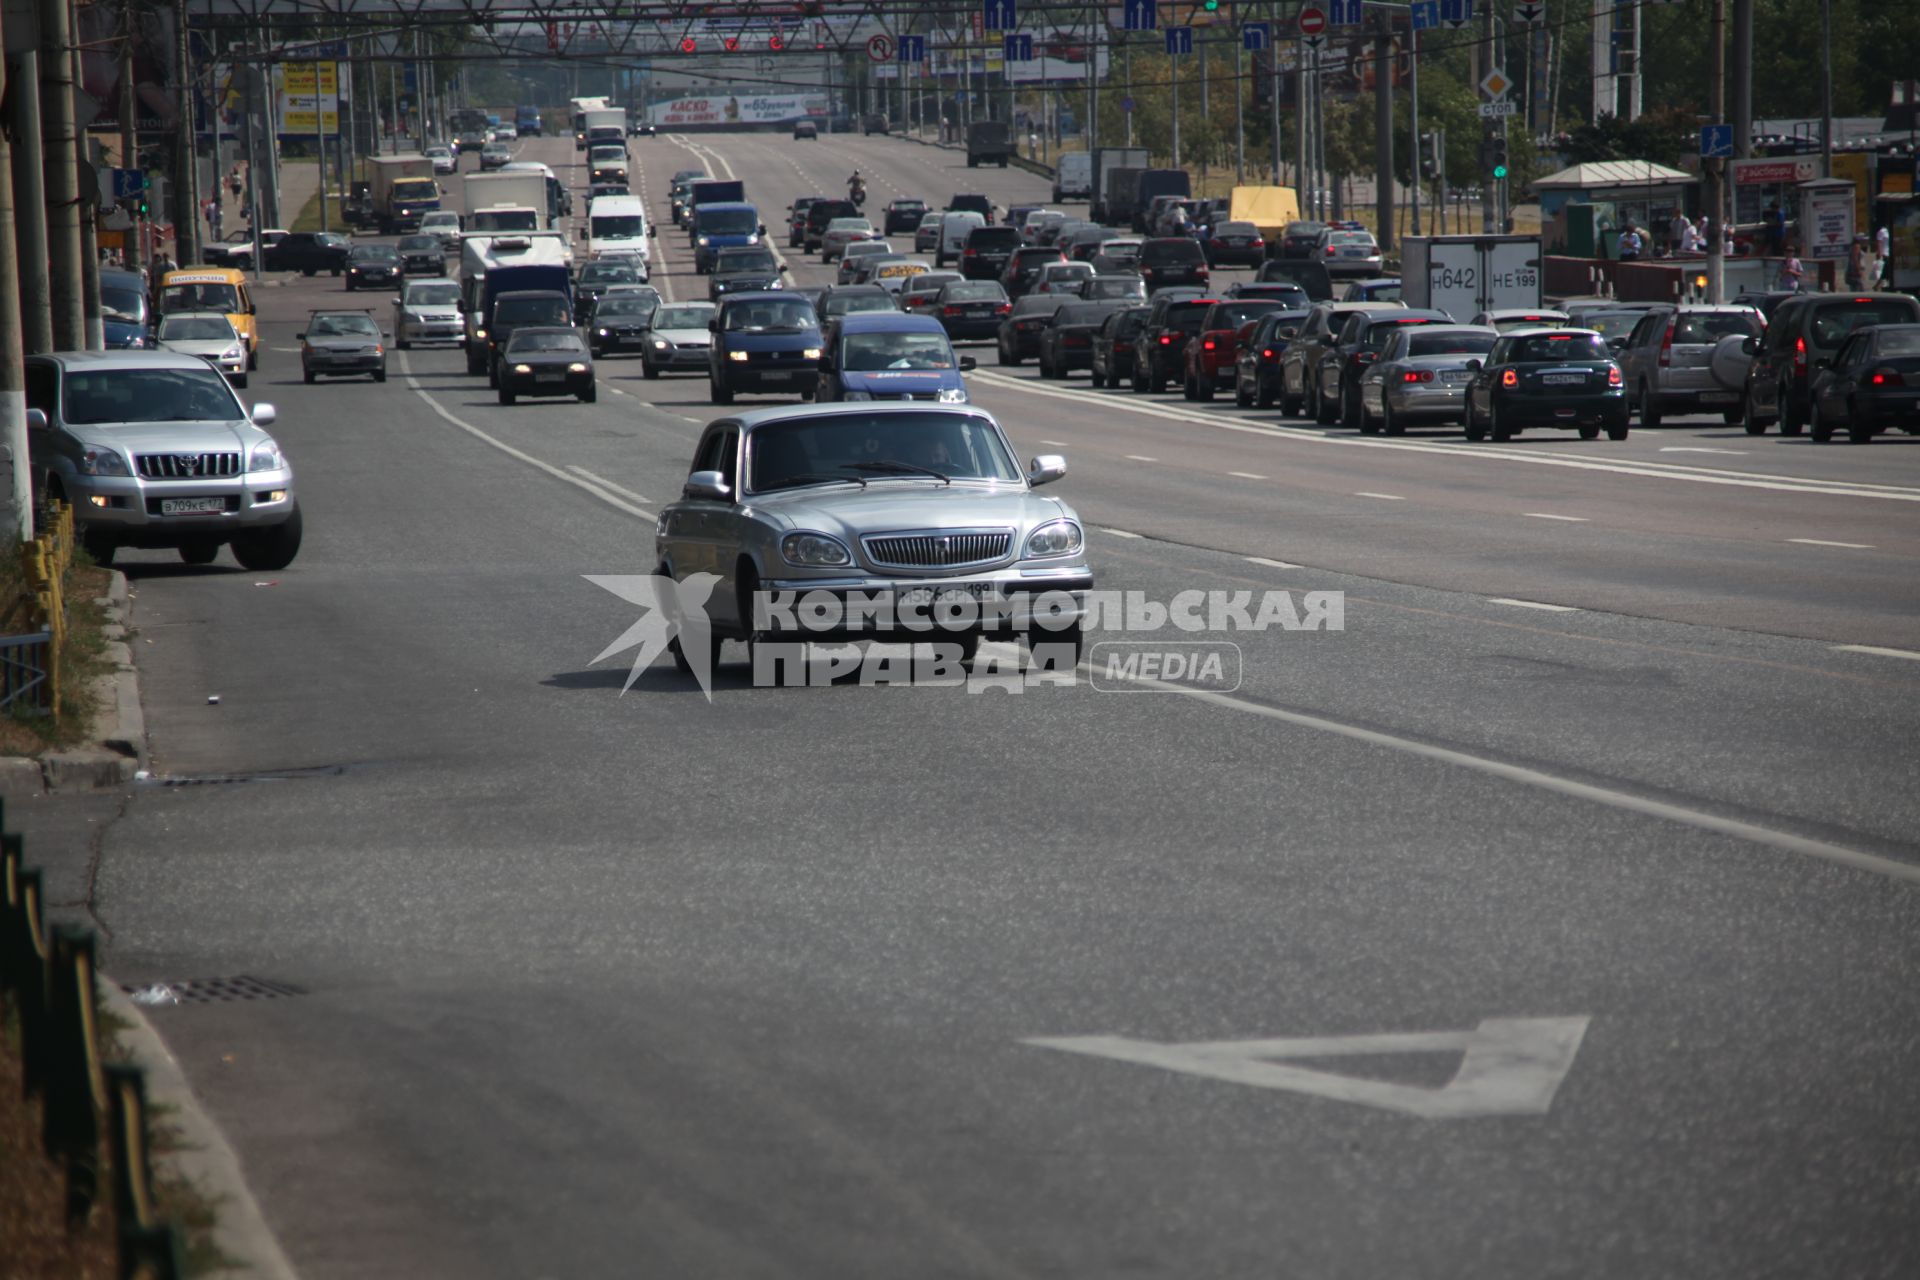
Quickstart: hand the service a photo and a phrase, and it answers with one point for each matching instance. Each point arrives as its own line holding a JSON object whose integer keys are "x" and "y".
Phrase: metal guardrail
{"x": 30, "y": 661}
{"x": 94, "y": 1116}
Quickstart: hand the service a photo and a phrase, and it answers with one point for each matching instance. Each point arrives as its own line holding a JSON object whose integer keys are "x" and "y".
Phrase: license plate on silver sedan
{"x": 192, "y": 506}
{"x": 923, "y": 596}
{"x": 1456, "y": 375}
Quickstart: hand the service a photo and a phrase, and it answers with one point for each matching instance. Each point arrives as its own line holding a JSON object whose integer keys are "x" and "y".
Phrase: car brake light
{"x": 1166, "y": 339}
{"x": 1003, "y": 308}
{"x": 1266, "y": 353}
{"x": 1800, "y": 355}
{"x": 972, "y": 253}
{"x": 1888, "y": 378}
{"x": 1206, "y": 344}
{"x": 1509, "y": 379}
{"x": 1613, "y": 376}
{"x": 1417, "y": 375}
{"x": 1331, "y": 251}
{"x": 950, "y": 311}
{"x": 1666, "y": 344}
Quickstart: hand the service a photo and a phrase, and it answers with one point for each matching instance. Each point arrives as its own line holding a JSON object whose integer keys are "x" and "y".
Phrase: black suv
{"x": 1161, "y": 350}
{"x": 1298, "y": 239}
{"x": 987, "y": 252}
{"x": 1022, "y": 268}
{"x": 1114, "y": 346}
{"x": 972, "y": 204}
{"x": 1806, "y": 330}
{"x": 1172, "y": 260}
{"x": 307, "y": 252}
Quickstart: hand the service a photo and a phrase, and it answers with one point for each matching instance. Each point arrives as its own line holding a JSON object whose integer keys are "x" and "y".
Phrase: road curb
{"x": 117, "y": 739}
{"x": 201, "y": 1154}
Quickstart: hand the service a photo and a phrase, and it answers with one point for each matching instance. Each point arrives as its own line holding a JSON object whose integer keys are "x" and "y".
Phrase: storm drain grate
{"x": 209, "y": 991}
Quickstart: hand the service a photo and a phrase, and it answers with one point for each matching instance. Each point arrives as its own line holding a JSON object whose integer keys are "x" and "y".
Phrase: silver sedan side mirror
{"x": 1045, "y": 469}
{"x": 708, "y": 484}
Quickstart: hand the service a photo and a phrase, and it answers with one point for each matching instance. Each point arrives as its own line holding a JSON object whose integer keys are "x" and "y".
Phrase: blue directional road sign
{"x": 1456, "y": 13}
{"x": 912, "y": 49}
{"x": 1343, "y": 13}
{"x": 1017, "y": 46}
{"x": 127, "y": 183}
{"x": 1255, "y": 36}
{"x": 999, "y": 15}
{"x": 1426, "y": 14}
{"x": 1716, "y": 140}
{"x": 1179, "y": 39}
{"x": 1141, "y": 15}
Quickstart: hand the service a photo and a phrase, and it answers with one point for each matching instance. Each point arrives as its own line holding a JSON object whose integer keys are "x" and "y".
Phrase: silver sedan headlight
{"x": 1056, "y": 538}
{"x": 814, "y": 550}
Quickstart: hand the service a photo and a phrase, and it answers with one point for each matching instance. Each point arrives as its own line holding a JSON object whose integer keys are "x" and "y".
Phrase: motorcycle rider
{"x": 857, "y": 188}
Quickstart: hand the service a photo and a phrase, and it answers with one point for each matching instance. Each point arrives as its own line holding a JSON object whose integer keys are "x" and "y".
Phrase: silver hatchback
{"x": 910, "y": 506}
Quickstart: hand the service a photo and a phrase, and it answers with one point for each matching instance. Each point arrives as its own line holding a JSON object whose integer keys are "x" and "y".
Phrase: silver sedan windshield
{"x": 876, "y": 446}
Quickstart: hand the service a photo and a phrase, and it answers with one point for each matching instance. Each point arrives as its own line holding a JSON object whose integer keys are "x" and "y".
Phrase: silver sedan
{"x": 910, "y": 506}
{"x": 1421, "y": 377}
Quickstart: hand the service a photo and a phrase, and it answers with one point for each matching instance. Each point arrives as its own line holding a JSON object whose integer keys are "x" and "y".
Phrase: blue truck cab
{"x": 890, "y": 355}
{"x": 723, "y": 225}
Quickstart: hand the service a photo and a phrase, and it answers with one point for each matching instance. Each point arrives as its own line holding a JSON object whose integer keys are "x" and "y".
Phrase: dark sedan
{"x": 902, "y": 217}
{"x": 546, "y": 361}
{"x": 1547, "y": 378}
{"x": 620, "y": 322}
{"x": 1298, "y": 239}
{"x": 1872, "y": 382}
{"x": 1020, "y": 328}
{"x": 423, "y": 255}
{"x": 970, "y": 308}
{"x": 1256, "y": 366}
{"x": 375, "y": 266}
{"x": 1163, "y": 344}
{"x": 1066, "y": 343}
{"x": 1111, "y": 360}
{"x": 307, "y": 252}
{"x": 1236, "y": 243}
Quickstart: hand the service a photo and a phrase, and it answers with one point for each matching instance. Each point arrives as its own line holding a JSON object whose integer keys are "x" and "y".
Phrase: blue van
{"x": 722, "y": 226}
{"x": 890, "y": 355}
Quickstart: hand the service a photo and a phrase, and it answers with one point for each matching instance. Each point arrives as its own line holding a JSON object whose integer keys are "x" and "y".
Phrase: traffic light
{"x": 1500, "y": 155}
{"x": 1429, "y": 155}
{"x": 688, "y": 44}
{"x": 1211, "y": 6}
{"x": 731, "y": 43}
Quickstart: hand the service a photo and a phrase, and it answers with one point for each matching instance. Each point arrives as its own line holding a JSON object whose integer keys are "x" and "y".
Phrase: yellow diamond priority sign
{"x": 1496, "y": 84}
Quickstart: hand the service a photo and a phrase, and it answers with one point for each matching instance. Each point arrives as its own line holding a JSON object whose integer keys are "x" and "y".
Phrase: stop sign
{"x": 1312, "y": 22}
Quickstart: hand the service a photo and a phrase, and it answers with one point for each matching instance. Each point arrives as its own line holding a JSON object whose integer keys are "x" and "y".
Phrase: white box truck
{"x": 403, "y": 190}
{"x": 1465, "y": 275}
{"x": 506, "y": 201}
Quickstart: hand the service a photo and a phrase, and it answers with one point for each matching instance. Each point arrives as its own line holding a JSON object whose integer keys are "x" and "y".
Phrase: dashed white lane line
{"x": 1273, "y": 564}
{"x": 1246, "y": 475}
{"x": 1533, "y": 604}
{"x": 1877, "y": 651}
{"x": 1548, "y": 515}
{"x": 1120, "y": 533}
{"x": 1682, "y": 448}
{"x": 558, "y": 473}
{"x": 1058, "y": 444}
{"x": 607, "y": 484}
{"x": 1822, "y": 542}
{"x": 1140, "y": 457}
{"x": 1384, "y": 497}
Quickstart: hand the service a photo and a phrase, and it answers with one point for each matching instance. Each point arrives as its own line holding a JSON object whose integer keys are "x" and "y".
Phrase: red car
{"x": 1211, "y": 352}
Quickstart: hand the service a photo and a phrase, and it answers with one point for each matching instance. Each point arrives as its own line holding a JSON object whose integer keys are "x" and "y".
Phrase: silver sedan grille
{"x": 186, "y": 466}
{"x": 936, "y": 549}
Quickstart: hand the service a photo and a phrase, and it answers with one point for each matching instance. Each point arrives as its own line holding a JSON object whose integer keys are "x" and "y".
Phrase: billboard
{"x": 307, "y": 96}
{"x": 725, "y": 109}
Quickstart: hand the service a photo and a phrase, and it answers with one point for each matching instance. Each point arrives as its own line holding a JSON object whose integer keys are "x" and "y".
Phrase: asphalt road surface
{"x": 1600, "y": 810}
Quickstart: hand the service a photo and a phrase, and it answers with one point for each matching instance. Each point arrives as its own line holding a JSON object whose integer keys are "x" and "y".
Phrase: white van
{"x": 955, "y": 227}
{"x": 1073, "y": 177}
{"x": 617, "y": 226}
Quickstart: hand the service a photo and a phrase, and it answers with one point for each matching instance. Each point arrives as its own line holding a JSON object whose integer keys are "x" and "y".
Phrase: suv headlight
{"x": 1057, "y": 538}
{"x": 266, "y": 457}
{"x": 103, "y": 462}
{"x": 814, "y": 549}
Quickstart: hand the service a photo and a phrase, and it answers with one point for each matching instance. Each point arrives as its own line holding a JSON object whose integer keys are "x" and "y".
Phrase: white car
{"x": 445, "y": 224}
{"x": 894, "y": 273}
{"x": 427, "y": 310}
{"x": 209, "y": 335}
{"x": 1063, "y": 277}
{"x": 504, "y": 132}
{"x": 842, "y": 232}
{"x": 851, "y": 255}
{"x": 443, "y": 158}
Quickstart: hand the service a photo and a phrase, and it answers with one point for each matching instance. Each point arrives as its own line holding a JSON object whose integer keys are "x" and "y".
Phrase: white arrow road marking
{"x": 1511, "y": 1067}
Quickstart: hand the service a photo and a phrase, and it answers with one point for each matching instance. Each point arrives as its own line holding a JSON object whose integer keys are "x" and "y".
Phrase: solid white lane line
{"x": 1140, "y": 457}
{"x": 520, "y": 455}
{"x": 1384, "y": 497}
{"x": 1533, "y": 604}
{"x": 1647, "y": 469}
{"x": 1876, "y": 651}
{"x": 1548, "y": 515}
{"x": 1273, "y": 564}
{"x": 1120, "y": 533}
{"x": 607, "y": 484}
{"x": 1667, "y": 811}
{"x": 1246, "y": 475}
{"x": 1822, "y": 542}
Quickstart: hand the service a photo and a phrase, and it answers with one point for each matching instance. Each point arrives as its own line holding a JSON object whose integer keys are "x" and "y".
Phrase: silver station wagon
{"x": 921, "y": 507}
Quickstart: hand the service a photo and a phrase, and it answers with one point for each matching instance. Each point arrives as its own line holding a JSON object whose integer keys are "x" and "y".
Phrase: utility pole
{"x": 1487, "y": 62}
{"x": 1717, "y": 167}
{"x": 1273, "y": 98}
{"x": 1239, "y": 117}
{"x": 30, "y": 205}
{"x": 13, "y": 374}
{"x": 1742, "y": 79}
{"x": 1826, "y": 88}
{"x": 186, "y": 231}
{"x": 63, "y": 178}
{"x": 1173, "y": 69}
{"x": 1416, "y": 155}
{"x": 1383, "y": 187}
{"x": 129, "y": 134}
